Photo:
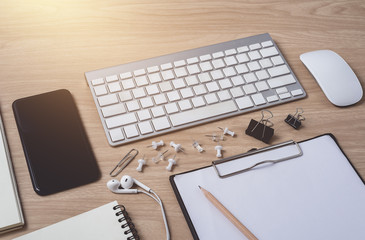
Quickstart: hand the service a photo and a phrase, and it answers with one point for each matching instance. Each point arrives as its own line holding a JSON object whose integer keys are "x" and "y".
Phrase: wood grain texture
{"x": 48, "y": 45}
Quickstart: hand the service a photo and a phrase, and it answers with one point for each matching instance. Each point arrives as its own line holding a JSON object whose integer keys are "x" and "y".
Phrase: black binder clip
{"x": 295, "y": 120}
{"x": 261, "y": 130}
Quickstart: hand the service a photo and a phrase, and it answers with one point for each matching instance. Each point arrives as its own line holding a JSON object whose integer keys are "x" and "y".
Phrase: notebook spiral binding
{"x": 129, "y": 224}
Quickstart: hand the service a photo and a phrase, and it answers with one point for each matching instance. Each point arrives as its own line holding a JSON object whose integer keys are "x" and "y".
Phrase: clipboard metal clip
{"x": 124, "y": 162}
{"x": 291, "y": 142}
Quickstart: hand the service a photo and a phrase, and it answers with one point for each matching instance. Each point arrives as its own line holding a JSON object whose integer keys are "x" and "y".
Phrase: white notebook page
{"x": 315, "y": 196}
{"x": 96, "y": 224}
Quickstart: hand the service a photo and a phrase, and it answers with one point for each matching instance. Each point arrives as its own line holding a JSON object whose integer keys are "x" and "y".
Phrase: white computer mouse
{"x": 335, "y": 77}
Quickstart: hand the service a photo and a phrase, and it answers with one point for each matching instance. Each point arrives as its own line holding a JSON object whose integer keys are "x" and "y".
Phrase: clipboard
{"x": 305, "y": 190}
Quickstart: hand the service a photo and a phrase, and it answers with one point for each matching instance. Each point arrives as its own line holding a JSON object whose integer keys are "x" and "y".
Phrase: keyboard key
{"x": 192, "y": 60}
{"x": 167, "y": 75}
{"x": 198, "y": 101}
{"x": 249, "y": 88}
{"x": 267, "y": 44}
{"x": 236, "y": 92}
{"x": 178, "y": 83}
{"x": 111, "y": 78}
{"x": 269, "y": 52}
{"x": 199, "y": 90}
{"x": 145, "y": 127}
{"x": 224, "y": 95}
{"x": 242, "y": 58}
{"x": 125, "y": 96}
{"x": 254, "y": 55}
{"x": 114, "y": 87}
{"x": 157, "y": 111}
{"x": 225, "y": 83}
{"x": 128, "y": 84}
{"x": 253, "y": 66}
{"x": 160, "y": 99}
{"x": 278, "y": 60}
{"x": 243, "y": 49}
{"x": 238, "y": 80}
{"x": 120, "y": 120}
{"x": 107, "y": 100}
{"x": 165, "y": 86}
{"x": 139, "y": 72}
{"x": 277, "y": 71}
{"x": 131, "y": 131}
{"x": 231, "y": 60}
{"x": 229, "y": 72}
{"x": 297, "y": 92}
{"x": 261, "y": 86}
{"x": 152, "y": 89}
{"x": 179, "y": 63}
{"x": 113, "y": 110}
{"x": 166, "y": 66}
{"x": 141, "y": 81}
{"x": 212, "y": 86}
{"x": 180, "y": 72}
{"x": 281, "y": 90}
{"x": 161, "y": 123}
{"x": 138, "y": 93}
{"x": 116, "y": 134}
{"x": 244, "y": 102}
{"x": 205, "y": 57}
{"x": 185, "y": 105}
{"x": 217, "y": 74}
{"x": 100, "y": 90}
{"x": 218, "y": 63}
{"x": 187, "y": 92}
{"x": 218, "y": 55}
{"x": 265, "y": 63}
{"x": 97, "y": 81}
{"x": 155, "y": 78}
{"x": 191, "y": 80}
{"x": 132, "y": 105}
{"x": 206, "y": 112}
{"x": 230, "y": 52}
{"x": 272, "y": 98}
{"x": 193, "y": 69}
{"x": 206, "y": 66}
{"x": 173, "y": 96}
{"x": 153, "y": 69}
{"x": 125, "y": 75}
{"x": 284, "y": 95}
{"x": 281, "y": 81}
{"x": 144, "y": 114}
{"x": 211, "y": 98}
{"x": 171, "y": 108}
{"x": 261, "y": 75}
{"x": 255, "y": 46}
{"x": 146, "y": 102}
{"x": 258, "y": 99}
{"x": 204, "y": 77}
{"x": 241, "y": 68}
{"x": 250, "y": 77}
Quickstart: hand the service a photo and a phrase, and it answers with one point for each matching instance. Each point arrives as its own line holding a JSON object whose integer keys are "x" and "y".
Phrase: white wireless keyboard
{"x": 163, "y": 94}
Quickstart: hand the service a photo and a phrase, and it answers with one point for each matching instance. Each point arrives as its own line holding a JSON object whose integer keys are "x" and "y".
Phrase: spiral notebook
{"x": 110, "y": 221}
{"x": 313, "y": 192}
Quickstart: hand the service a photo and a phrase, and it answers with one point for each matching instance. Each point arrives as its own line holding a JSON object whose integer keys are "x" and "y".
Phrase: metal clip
{"x": 124, "y": 162}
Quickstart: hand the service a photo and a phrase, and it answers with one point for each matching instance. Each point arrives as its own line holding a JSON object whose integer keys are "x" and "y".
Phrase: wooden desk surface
{"x": 48, "y": 45}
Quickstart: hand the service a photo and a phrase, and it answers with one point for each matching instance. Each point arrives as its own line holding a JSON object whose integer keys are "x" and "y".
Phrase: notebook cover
{"x": 55, "y": 144}
{"x": 181, "y": 202}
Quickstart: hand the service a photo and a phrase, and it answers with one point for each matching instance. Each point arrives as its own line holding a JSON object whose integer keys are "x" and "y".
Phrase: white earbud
{"x": 126, "y": 183}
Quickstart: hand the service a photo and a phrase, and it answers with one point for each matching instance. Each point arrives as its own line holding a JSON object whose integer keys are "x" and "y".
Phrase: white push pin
{"x": 159, "y": 157}
{"x": 226, "y": 131}
{"x": 156, "y": 145}
{"x": 141, "y": 162}
{"x": 172, "y": 162}
{"x": 198, "y": 147}
{"x": 177, "y": 147}
{"x": 219, "y": 148}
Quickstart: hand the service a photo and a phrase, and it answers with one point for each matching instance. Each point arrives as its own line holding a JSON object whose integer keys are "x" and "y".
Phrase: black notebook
{"x": 55, "y": 144}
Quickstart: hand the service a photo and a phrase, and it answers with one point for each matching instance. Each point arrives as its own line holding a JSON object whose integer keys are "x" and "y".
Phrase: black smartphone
{"x": 55, "y": 144}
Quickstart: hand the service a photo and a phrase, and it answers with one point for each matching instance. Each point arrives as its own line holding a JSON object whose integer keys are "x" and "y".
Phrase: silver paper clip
{"x": 124, "y": 162}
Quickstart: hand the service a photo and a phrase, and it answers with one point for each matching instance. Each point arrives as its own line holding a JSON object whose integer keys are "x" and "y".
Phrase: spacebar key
{"x": 202, "y": 113}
